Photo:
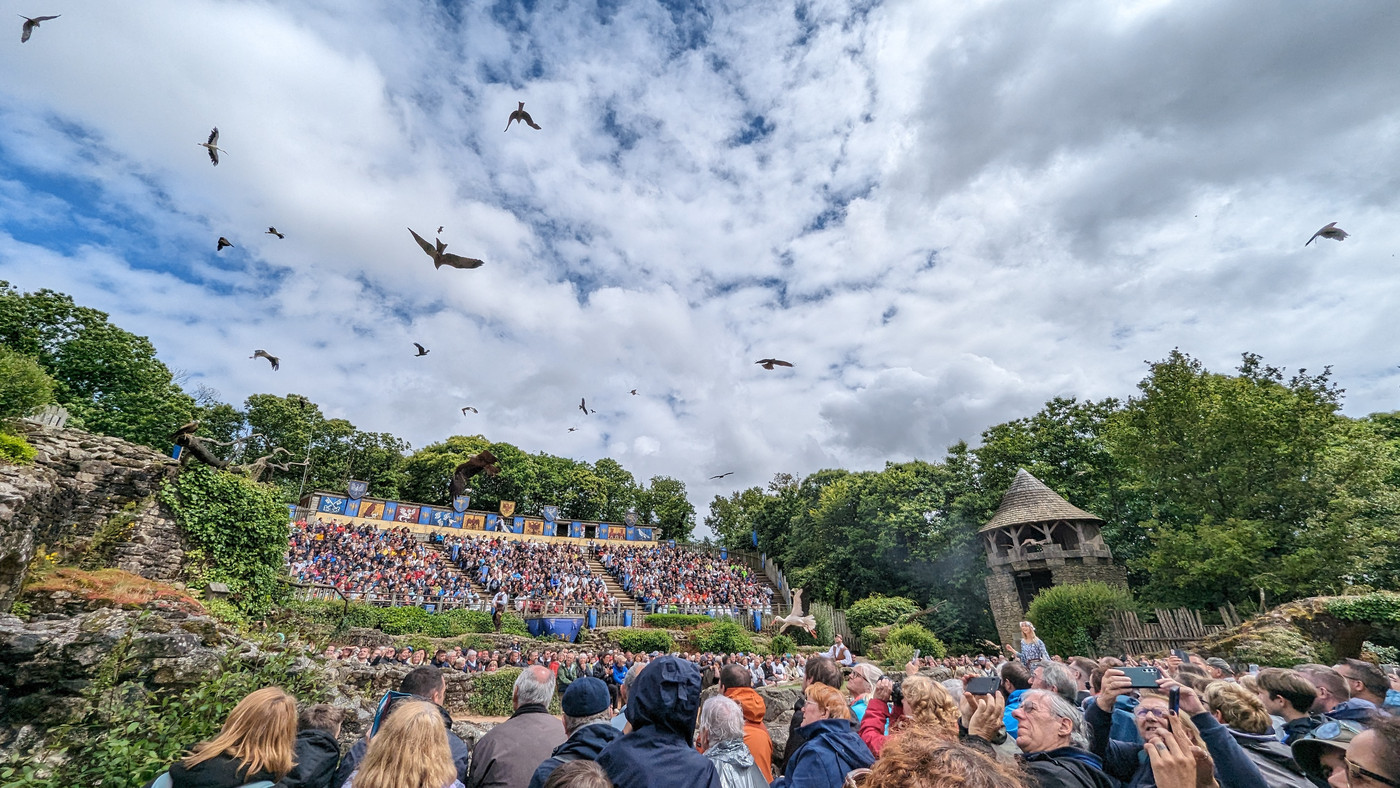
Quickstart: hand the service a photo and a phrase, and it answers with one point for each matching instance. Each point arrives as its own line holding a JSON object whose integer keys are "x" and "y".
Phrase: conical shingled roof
{"x": 1028, "y": 500}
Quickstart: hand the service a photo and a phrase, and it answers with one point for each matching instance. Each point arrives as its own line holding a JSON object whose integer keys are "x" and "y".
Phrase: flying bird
{"x": 422, "y": 351}
{"x": 213, "y": 146}
{"x": 583, "y": 406}
{"x": 188, "y": 429}
{"x": 722, "y": 475}
{"x": 521, "y": 115}
{"x": 439, "y": 229}
{"x": 441, "y": 257}
{"x": 634, "y": 392}
{"x": 573, "y": 429}
{"x": 271, "y": 358}
{"x": 484, "y": 462}
{"x": 30, "y": 24}
{"x": 1330, "y": 231}
{"x": 222, "y": 243}
{"x": 273, "y": 231}
{"x": 769, "y": 363}
{"x": 468, "y": 408}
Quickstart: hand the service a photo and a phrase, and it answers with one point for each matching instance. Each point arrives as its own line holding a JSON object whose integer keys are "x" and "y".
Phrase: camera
{"x": 897, "y": 693}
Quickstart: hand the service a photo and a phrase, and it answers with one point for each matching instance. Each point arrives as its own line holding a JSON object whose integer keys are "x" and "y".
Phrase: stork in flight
{"x": 213, "y": 146}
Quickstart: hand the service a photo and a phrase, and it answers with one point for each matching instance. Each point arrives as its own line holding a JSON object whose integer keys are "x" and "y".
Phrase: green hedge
{"x": 917, "y": 637}
{"x": 1382, "y": 607}
{"x": 1070, "y": 618}
{"x": 725, "y": 637}
{"x": 781, "y": 644}
{"x": 878, "y": 610}
{"x": 676, "y": 620}
{"x": 647, "y": 640}
{"x": 329, "y": 613}
{"x": 491, "y": 694}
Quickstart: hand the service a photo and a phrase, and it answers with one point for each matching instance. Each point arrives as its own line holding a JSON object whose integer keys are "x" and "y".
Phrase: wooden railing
{"x": 1178, "y": 629}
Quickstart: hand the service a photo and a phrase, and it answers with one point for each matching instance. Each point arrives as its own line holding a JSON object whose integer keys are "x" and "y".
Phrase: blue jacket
{"x": 658, "y": 753}
{"x": 1356, "y": 710}
{"x": 1127, "y": 762}
{"x": 1013, "y": 702}
{"x": 583, "y": 745}
{"x": 832, "y": 749}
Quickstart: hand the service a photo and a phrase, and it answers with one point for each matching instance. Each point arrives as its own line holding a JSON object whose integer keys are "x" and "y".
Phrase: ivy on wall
{"x": 238, "y": 533}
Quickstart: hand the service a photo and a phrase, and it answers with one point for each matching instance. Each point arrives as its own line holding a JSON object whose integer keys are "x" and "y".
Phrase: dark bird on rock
{"x": 769, "y": 363}
{"x": 484, "y": 462}
{"x": 188, "y": 429}
{"x": 1330, "y": 231}
{"x": 422, "y": 351}
{"x": 722, "y": 475}
{"x": 264, "y": 354}
{"x": 30, "y": 24}
{"x": 223, "y": 242}
{"x": 273, "y": 231}
{"x": 213, "y": 146}
{"x": 521, "y": 115}
{"x": 468, "y": 408}
{"x": 441, "y": 257}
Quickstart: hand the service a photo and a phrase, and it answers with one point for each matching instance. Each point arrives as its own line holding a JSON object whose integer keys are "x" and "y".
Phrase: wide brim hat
{"x": 1335, "y": 734}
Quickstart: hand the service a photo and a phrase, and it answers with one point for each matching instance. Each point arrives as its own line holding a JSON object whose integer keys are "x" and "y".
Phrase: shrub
{"x": 463, "y": 621}
{"x": 15, "y": 450}
{"x": 413, "y": 621}
{"x": 782, "y": 644}
{"x": 1382, "y": 607}
{"x": 491, "y": 694}
{"x": 877, "y": 611}
{"x": 647, "y": 640}
{"x": 896, "y": 654}
{"x": 24, "y": 385}
{"x": 1070, "y": 618}
{"x": 675, "y": 621}
{"x": 725, "y": 637}
{"x": 917, "y": 637}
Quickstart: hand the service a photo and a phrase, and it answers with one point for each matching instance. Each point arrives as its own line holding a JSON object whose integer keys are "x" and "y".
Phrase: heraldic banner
{"x": 507, "y": 508}
{"x": 535, "y": 527}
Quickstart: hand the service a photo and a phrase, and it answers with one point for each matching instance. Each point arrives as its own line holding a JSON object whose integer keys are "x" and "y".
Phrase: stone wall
{"x": 77, "y": 484}
{"x": 1006, "y": 602}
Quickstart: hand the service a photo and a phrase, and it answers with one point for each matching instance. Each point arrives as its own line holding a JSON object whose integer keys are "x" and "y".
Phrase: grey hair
{"x": 1078, "y": 736}
{"x": 1058, "y": 678}
{"x": 535, "y": 684}
{"x": 632, "y": 674}
{"x": 722, "y": 719}
{"x": 572, "y": 724}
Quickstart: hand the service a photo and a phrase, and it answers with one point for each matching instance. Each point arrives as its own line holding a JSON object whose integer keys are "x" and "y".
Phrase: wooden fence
{"x": 1173, "y": 629}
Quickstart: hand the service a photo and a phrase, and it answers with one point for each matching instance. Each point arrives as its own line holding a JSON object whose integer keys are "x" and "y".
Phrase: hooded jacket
{"x": 658, "y": 753}
{"x": 317, "y": 756}
{"x": 1272, "y": 758}
{"x": 1067, "y": 767}
{"x": 583, "y": 745}
{"x": 222, "y": 771}
{"x": 756, "y": 736}
{"x": 735, "y": 765}
{"x": 1125, "y": 761}
{"x": 832, "y": 749}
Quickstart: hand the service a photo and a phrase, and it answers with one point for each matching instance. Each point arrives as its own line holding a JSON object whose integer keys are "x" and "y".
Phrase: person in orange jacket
{"x": 736, "y": 683}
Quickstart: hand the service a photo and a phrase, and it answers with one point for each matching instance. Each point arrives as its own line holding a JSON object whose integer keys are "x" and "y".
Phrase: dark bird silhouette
{"x": 273, "y": 231}
{"x": 722, "y": 475}
{"x": 1330, "y": 231}
{"x": 223, "y": 242}
{"x": 439, "y": 229}
{"x": 30, "y": 24}
{"x": 634, "y": 392}
{"x": 264, "y": 354}
{"x": 521, "y": 115}
{"x": 468, "y": 408}
{"x": 188, "y": 429}
{"x": 573, "y": 429}
{"x": 422, "y": 351}
{"x": 484, "y": 462}
{"x": 769, "y": 363}
{"x": 441, "y": 257}
{"x": 213, "y": 146}
{"x": 583, "y": 406}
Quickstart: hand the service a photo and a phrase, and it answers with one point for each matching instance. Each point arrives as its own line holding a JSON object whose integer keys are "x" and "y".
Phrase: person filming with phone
{"x": 1166, "y": 709}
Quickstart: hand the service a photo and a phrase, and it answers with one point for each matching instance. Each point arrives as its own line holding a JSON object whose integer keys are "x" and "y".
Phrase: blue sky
{"x": 943, "y": 213}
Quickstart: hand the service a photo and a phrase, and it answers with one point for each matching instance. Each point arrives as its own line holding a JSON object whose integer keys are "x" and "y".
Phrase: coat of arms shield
{"x": 630, "y": 518}
{"x": 550, "y": 513}
{"x": 507, "y": 508}
{"x": 461, "y": 502}
{"x": 357, "y": 489}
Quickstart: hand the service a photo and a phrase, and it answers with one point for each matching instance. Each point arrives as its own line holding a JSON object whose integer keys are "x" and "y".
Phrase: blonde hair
{"x": 1238, "y": 707}
{"x": 928, "y": 703}
{"x": 409, "y": 751}
{"x": 259, "y": 733}
{"x": 831, "y": 700}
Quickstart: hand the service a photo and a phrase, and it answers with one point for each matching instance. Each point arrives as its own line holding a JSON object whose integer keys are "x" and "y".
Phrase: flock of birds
{"x": 437, "y": 250}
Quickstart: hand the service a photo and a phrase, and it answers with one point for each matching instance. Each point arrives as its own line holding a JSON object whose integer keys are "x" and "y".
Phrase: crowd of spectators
{"x": 363, "y": 562}
{"x": 552, "y": 572}
{"x": 675, "y": 579}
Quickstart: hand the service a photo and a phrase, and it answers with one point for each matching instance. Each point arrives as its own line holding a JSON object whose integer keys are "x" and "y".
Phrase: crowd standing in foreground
{"x": 1052, "y": 723}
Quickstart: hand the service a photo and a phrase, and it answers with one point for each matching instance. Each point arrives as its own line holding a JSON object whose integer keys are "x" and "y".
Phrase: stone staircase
{"x": 614, "y": 585}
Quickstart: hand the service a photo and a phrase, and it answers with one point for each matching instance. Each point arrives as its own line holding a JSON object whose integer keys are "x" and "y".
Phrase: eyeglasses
{"x": 1149, "y": 711}
{"x": 1354, "y": 771}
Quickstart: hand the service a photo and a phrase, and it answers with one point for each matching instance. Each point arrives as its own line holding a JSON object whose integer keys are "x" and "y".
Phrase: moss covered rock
{"x": 1304, "y": 630}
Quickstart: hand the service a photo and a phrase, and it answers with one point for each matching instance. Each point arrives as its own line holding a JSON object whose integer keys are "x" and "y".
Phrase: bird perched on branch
{"x": 521, "y": 115}
{"x": 30, "y": 24}
{"x": 213, "y": 146}
{"x": 223, "y": 242}
{"x": 1330, "y": 231}
{"x": 188, "y": 429}
{"x": 264, "y": 354}
{"x": 769, "y": 363}
{"x": 482, "y": 462}
{"x": 422, "y": 351}
{"x": 273, "y": 231}
{"x": 441, "y": 257}
{"x": 468, "y": 408}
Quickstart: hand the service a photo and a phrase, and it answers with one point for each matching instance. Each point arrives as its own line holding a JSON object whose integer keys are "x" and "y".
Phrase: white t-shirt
{"x": 501, "y": 600}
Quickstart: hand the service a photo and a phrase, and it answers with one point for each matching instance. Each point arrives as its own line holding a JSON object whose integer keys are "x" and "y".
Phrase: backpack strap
{"x": 163, "y": 781}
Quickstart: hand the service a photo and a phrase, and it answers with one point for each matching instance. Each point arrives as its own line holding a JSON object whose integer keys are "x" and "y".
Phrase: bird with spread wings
{"x": 769, "y": 363}
{"x": 271, "y": 358}
{"x": 521, "y": 115}
{"x": 213, "y": 146}
{"x": 482, "y": 462}
{"x": 441, "y": 257}
{"x": 422, "y": 351}
{"x": 30, "y": 24}
{"x": 1330, "y": 231}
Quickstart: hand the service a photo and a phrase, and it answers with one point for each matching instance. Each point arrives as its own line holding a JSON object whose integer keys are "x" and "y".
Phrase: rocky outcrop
{"x": 1304, "y": 630}
{"x": 86, "y": 492}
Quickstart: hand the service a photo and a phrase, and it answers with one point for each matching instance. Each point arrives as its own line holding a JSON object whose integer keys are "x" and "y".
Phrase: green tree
{"x": 664, "y": 504}
{"x": 24, "y": 386}
{"x": 109, "y": 380}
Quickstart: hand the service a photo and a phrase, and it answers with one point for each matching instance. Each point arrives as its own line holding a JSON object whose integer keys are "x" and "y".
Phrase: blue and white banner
{"x": 461, "y": 502}
{"x": 576, "y": 530}
{"x": 550, "y": 513}
{"x": 357, "y": 489}
{"x": 331, "y": 505}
